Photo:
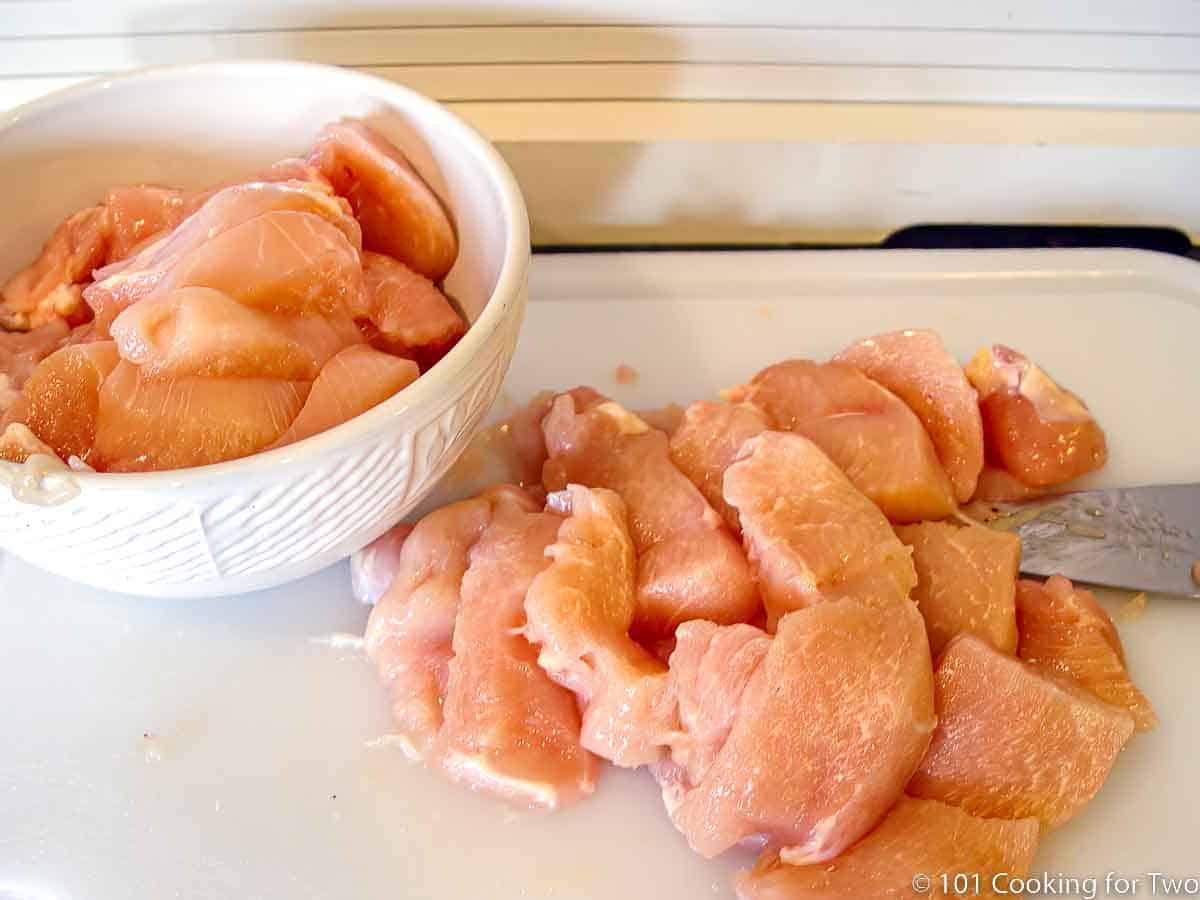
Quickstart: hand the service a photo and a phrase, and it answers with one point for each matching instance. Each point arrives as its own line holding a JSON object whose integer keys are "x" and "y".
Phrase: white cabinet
{"x": 632, "y": 121}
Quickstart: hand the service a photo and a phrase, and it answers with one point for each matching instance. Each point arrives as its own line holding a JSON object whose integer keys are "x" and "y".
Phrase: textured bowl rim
{"x": 425, "y": 390}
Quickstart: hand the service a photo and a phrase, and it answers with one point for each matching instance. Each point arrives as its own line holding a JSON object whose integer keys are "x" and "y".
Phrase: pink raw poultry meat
{"x": 817, "y": 752}
{"x": 400, "y": 214}
{"x": 60, "y": 401}
{"x": 917, "y": 368}
{"x": 413, "y": 317}
{"x": 811, "y": 535}
{"x": 50, "y": 287}
{"x": 998, "y": 485}
{"x": 292, "y": 169}
{"x": 18, "y": 444}
{"x": 579, "y": 611}
{"x": 711, "y": 667}
{"x": 145, "y": 424}
{"x": 250, "y": 286}
{"x": 1012, "y": 741}
{"x": 866, "y": 429}
{"x": 689, "y": 566}
{"x": 141, "y": 213}
{"x": 966, "y": 581}
{"x": 127, "y": 221}
{"x": 507, "y": 728}
{"x": 353, "y": 381}
{"x": 707, "y": 442}
{"x": 918, "y": 837}
{"x": 201, "y": 331}
{"x": 666, "y": 419}
{"x": 373, "y": 568}
{"x": 21, "y": 351}
{"x": 410, "y": 631}
{"x": 1036, "y": 430}
{"x": 1064, "y": 630}
{"x": 722, "y": 710}
{"x": 466, "y": 689}
{"x": 124, "y": 283}
{"x": 283, "y": 261}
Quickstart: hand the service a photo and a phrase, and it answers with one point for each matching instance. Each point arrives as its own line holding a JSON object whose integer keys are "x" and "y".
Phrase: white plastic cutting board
{"x": 222, "y": 749}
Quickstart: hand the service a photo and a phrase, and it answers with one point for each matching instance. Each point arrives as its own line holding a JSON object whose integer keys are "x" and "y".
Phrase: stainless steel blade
{"x": 1143, "y": 538}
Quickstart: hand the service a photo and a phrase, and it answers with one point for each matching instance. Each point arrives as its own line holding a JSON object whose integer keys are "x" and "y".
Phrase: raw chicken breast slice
{"x": 507, "y": 728}
{"x": 400, "y": 214}
{"x": 1012, "y": 741}
{"x": 18, "y": 444}
{"x": 916, "y": 837}
{"x": 409, "y": 633}
{"x": 374, "y": 567}
{"x": 966, "y": 582}
{"x": 124, "y": 283}
{"x": 21, "y": 351}
{"x": 1039, "y": 432}
{"x": 353, "y": 381}
{"x": 411, "y": 315}
{"x": 138, "y": 214}
{"x": 689, "y": 564}
{"x": 706, "y": 443}
{"x": 666, "y": 419}
{"x": 9, "y": 398}
{"x": 466, "y": 690}
{"x": 142, "y": 213}
{"x": 867, "y": 430}
{"x": 61, "y": 399}
{"x": 711, "y": 666}
{"x": 293, "y": 169}
{"x": 202, "y": 331}
{"x": 810, "y": 534}
{"x": 283, "y": 261}
{"x": 998, "y": 485}
{"x": 51, "y": 286}
{"x": 1063, "y": 629}
{"x": 817, "y": 753}
{"x": 145, "y": 424}
{"x": 916, "y": 367}
{"x": 579, "y": 613}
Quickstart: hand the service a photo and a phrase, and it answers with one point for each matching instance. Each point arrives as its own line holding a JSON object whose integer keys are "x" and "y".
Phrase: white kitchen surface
{"x": 227, "y": 748}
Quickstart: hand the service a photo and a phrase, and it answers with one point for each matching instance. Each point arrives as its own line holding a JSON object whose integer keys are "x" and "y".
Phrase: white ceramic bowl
{"x": 270, "y": 518}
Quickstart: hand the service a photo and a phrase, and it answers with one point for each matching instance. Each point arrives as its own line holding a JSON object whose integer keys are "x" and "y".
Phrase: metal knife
{"x": 1141, "y": 539}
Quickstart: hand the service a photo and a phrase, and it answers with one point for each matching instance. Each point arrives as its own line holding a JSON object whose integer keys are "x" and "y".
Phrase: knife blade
{"x": 1140, "y": 538}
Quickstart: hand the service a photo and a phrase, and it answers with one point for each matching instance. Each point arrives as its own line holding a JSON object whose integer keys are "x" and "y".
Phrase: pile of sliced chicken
{"x": 163, "y": 328}
{"x": 778, "y": 609}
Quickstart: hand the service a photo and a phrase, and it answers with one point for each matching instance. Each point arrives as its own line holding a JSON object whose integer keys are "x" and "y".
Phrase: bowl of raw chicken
{"x": 249, "y": 314}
